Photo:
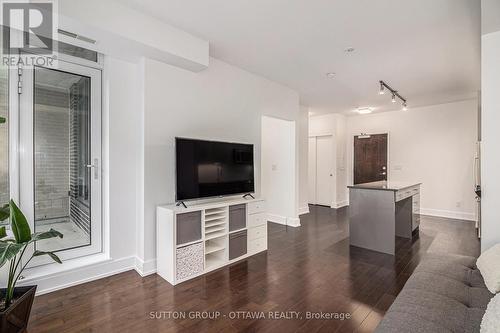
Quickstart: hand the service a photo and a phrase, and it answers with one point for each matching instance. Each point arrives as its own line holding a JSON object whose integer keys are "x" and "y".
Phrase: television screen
{"x": 210, "y": 168}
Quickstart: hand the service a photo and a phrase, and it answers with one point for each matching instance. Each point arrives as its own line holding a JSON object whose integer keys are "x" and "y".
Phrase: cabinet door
{"x": 188, "y": 226}
{"x": 324, "y": 171}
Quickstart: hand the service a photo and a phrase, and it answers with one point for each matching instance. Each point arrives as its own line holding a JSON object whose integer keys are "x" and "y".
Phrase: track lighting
{"x": 394, "y": 93}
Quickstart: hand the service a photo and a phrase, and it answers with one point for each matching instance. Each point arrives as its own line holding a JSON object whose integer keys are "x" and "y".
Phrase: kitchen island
{"x": 381, "y": 211}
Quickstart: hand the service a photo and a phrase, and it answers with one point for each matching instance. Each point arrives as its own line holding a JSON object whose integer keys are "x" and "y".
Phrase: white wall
{"x": 220, "y": 103}
{"x": 125, "y": 149}
{"x": 303, "y": 133}
{"x": 342, "y": 198}
{"x": 490, "y": 139}
{"x": 278, "y": 169}
{"x": 434, "y": 145}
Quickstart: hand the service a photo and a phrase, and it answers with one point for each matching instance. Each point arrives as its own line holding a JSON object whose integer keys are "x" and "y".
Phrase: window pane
{"x": 62, "y": 150}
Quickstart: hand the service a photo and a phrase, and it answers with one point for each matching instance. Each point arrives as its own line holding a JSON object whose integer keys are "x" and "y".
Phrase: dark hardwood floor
{"x": 311, "y": 268}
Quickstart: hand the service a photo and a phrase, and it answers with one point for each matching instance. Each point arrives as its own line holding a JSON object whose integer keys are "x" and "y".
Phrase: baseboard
{"x": 289, "y": 221}
{"x": 304, "y": 210}
{"x": 72, "y": 277}
{"x": 448, "y": 214}
{"x": 145, "y": 268}
{"x": 276, "y": 219}
{"x": 341, "y": 204}
{"x": 293, "y": 222}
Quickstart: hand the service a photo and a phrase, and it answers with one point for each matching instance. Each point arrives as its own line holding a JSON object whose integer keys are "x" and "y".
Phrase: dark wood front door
{"x": 370, "y": 158}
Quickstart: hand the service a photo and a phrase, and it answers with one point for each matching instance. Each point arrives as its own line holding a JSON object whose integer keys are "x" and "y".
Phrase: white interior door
{"x": 60, "y": 157}
{"x": 324, "y": 170}
{"x": 312, "y": 171}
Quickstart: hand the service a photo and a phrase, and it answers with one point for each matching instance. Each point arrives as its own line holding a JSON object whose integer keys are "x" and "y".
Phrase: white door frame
{"x": 21, "y": 149}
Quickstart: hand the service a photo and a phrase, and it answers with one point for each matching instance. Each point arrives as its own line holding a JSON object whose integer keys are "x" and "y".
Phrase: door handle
{"x": 95, "y": 167}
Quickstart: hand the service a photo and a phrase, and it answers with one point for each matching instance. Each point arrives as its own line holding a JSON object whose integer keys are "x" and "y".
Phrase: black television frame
{"x": 245, "y": 194}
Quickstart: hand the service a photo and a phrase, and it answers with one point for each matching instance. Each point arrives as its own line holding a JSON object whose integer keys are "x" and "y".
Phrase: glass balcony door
{"x": 60, "y": 156}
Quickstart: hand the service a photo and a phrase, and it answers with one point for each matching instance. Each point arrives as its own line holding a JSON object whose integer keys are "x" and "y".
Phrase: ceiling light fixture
{"x": 364, "y": 110}
{"x": 330, "y": 75}
{"x": 394, "y": 93}
{"x": 382, "y": 89}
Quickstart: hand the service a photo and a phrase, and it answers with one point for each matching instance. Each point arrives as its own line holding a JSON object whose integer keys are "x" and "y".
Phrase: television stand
{"x": 248, "y": 195}
{"x": 207, "y": 236}
{"x": 180, "y": 203}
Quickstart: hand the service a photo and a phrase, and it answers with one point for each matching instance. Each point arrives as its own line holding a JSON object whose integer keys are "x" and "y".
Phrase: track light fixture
{"x": 394, "y": 93}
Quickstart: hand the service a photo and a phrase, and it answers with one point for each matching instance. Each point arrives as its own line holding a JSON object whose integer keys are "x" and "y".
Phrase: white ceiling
{"x": 427, "y": 49}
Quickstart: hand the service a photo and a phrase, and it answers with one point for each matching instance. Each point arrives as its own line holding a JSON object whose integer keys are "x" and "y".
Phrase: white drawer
{"x": 254, "y": 220}
{"x": 256, "y": 207}
{"x": 407, "y": 192}
{"x": 257, "y": 245}
{"x": 257, "y": 232}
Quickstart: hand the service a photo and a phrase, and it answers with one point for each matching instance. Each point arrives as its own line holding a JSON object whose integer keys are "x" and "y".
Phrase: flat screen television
{"x": 210, "y": 168}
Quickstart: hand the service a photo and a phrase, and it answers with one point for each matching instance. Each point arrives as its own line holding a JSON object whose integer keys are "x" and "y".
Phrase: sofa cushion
{"x": 490, "y": 269}
{"x": 491, "y": 318}
{"x": 446, "y": 293}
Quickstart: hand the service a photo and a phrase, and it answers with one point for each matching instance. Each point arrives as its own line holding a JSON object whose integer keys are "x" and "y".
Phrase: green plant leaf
{"x": 19, "y": 224}
{"x": 4, "y": 212}
{"x": 50, "y": 254}
{"x": 3, "y": 233}
{"x": 45, "y": 235}
{"x": 2, "y": 120}
{"x": 8, "y": 251}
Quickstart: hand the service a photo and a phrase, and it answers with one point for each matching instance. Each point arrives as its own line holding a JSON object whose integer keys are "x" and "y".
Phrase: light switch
{"x": 398, "y": 167}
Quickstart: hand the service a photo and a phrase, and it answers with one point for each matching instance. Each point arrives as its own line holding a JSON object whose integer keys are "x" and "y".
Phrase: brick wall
{"x": 51, "y": 153}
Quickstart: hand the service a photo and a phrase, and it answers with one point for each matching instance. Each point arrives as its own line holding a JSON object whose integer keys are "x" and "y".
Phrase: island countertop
{"x": 385, "y": 185}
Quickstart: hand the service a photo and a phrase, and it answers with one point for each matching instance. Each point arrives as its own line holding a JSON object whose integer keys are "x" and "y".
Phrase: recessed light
{"x": 364, "y": 110}
{"x": 330, "y": 75}
{"x": 350, "y": 49}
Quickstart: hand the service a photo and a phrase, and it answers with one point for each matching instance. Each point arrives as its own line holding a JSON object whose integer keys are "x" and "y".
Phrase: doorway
{"x": 321, "y": 177}
{"x": 59, "y": 176}
{"x": 370, "y": 158}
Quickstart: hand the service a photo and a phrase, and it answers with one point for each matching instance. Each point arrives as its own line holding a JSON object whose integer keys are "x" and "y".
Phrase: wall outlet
{"x": 274, "y": 167}
{"x": 459, "y": 204}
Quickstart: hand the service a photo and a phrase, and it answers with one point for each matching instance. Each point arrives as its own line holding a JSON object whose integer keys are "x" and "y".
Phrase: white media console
{"x": 198, "y": 239}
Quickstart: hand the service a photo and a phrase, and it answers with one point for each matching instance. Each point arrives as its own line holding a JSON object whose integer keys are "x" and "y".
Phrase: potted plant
{"x": 15, "y": 303}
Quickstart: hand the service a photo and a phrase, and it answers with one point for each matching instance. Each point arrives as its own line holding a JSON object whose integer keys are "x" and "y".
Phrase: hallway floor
{"x": 311, "y": 268}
